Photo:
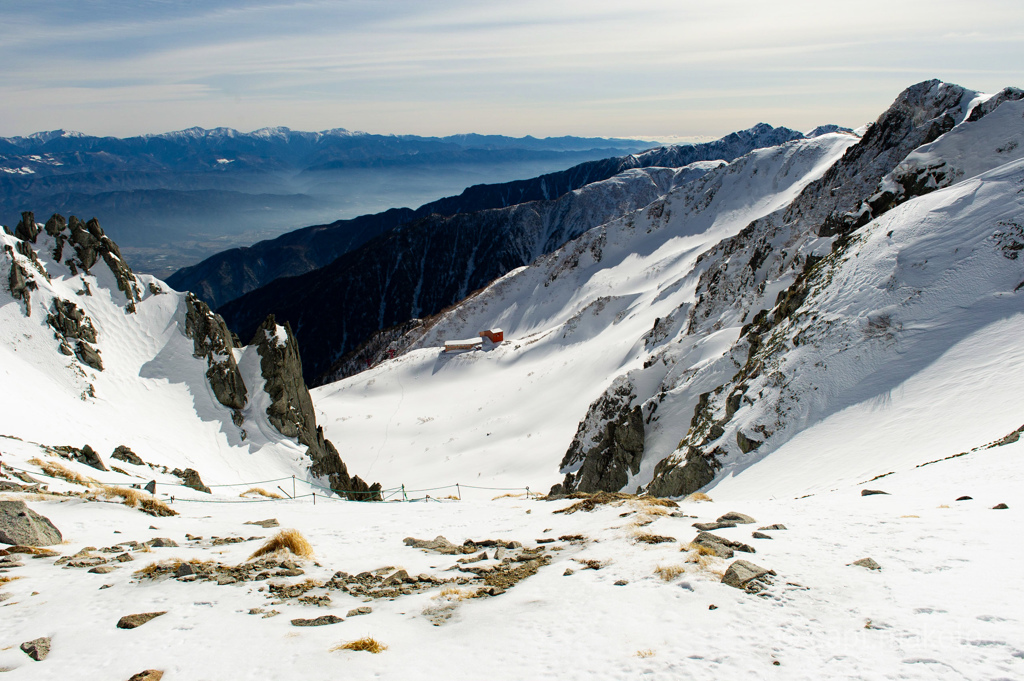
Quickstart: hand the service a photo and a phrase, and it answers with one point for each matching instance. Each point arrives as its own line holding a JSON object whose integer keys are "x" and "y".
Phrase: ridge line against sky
{"x": 651, "y": 69}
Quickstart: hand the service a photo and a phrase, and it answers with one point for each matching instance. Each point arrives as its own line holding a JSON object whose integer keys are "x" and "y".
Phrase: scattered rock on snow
{"x": 361, "y": 610}
{"x": 760, "y": 535}
{"x": 743, "y": 574}
{"x": 707, "y": 539}
{"x": 964, "y": 498}
{"x": 1000, "y": 507}
{"x": 734, "y": 517}
{"x": 149, "y": 674}
{"x": 162, "y": 542}
{"x": 398, "y": 577}
{"x": 21, "y": 525}
{"x": 190, "y": 478}
{"x": 317, "y": 622}
{"x": 102, "y": 569}
{"x": 137, "y": 620}
{"x": 707, "y": 527}
{"x": 123, "y": 453}
{"x": 776, "y": 526}
{"x": 37, "y": 648}
{"x": 265, "y": 524}
{"x": 869, "y": 492}
{"x": 868, "y": 563}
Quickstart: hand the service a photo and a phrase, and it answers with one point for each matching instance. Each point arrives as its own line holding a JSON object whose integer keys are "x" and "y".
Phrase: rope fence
{"x": 391, "y": 494}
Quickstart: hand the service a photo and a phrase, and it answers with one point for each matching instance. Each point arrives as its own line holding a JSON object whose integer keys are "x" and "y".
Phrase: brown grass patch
{"x": 699, "y": 549}
{"x": 648, "y": 538}
{"x": 365, "y": 644}
{"x": 56, "y": 470}
{"x": 508, "y": 496}
{"x": 5, "y": 579}
{"x": 262, "y": 492}
{"x": 698, "y": 496}
{"x": 669, "y": 572}
{"x": 647, "y": 652}
{"x": 910, "y": 516}
{"x": 944, "y": 506}
{"x": 286, "y": 540}
{"x": 134, "y": 498}
{"x": 452, "y": 594}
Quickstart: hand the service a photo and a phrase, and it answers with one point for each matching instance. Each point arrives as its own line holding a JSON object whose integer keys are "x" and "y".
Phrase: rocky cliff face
{"x": 291, "y": 409}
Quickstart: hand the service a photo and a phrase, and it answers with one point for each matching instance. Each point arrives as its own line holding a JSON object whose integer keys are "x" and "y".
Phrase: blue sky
{"x": 642, "y": 68}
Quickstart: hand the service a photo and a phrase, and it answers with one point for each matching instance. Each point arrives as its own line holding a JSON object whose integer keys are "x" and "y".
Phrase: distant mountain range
{"x": 174, "y": 198}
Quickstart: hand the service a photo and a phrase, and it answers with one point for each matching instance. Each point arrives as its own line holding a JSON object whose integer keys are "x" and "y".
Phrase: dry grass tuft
{"x": 646, "y": 652}
{"x": 451, "y": 593}
{"x": 669, "y": 572}
{"x": 286, "y": 540}
{"x": 4, "y": 579}
{"x": 521, "y": 495}
{"x": 56, "y": 470}
{"x": 698, "y": 496}
{"x": 910, "y": 516}
{"x": 134, "y": 498}
{"x": 699, "y": 549}
{"x": 944, "y": 506}
{"x": 367, "y": 644}
{"x": 262, "y": 492}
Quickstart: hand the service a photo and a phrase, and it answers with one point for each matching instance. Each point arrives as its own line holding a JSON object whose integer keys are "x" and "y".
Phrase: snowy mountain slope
{"x": 739, "y": 332}
{"x": 573, "y": 318}
{"x": 91, "y": 353}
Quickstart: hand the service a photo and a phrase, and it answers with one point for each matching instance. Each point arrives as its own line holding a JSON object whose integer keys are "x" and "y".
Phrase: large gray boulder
{"x": 742, "y": 574}
{"x": 20, "y": 525}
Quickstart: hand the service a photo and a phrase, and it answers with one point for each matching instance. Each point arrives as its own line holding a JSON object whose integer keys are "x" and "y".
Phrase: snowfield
{"x": 943, "y": 606}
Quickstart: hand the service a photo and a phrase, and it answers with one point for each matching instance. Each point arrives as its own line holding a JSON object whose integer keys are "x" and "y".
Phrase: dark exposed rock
{"x": 89, "y": 457}
{"x": 963, "y": 498}
{"x": 776, "y": 526}
{"x": 21, "y": 525}
{"x": 760, "y": 535}
{"x": 745, "y": 443}
{"x": 212, "y": 341}
{"x": 123, "y": 453}
{"x": 317, "y": 622}
{"x": 162, "y": 542}
{"x": 265, "y": 524}
{"x": 27, "y": 230}
{"x": 190, "y": 478}
{"x": 37, "y": 648}
{"x": 438, "y": 545}
{"x": 743, "y": 574}
{"x": 291, "y": 410}
{"x": 870, "y": 492}
{"x": 680, "y": 476}
{"x": 609, "y": 442}
{"x": 1000, "y": 507}
{"x": 75, "y": 329}
{"x": 21, "y": 285}
{"x": 137, "y": 620}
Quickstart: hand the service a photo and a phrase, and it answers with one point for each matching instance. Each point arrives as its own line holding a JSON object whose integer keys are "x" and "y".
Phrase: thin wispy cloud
{"x": 595, "y": 68}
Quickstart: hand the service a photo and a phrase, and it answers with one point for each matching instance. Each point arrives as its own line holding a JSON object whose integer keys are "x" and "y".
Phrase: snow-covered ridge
{"x": 95, "y": 354}
{"x": 702, "y": 311}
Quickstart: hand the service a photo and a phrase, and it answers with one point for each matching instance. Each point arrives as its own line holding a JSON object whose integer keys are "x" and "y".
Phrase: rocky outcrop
{"x": 608, "y": 446}
{"x": 291, "y": 409}
{"x": 76, "y": 333}
{"x": 21, "y": 285}
{"x": 123, "y": 453}
{"x": 86, "y": 455}
{"x": 214, "y": 342}
{"x": 20, "y": 525}
{"x": 190, "y": 478}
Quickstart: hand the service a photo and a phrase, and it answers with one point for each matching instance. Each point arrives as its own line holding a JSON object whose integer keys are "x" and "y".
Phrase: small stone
{"x": 317, "y": 622}
{"x": 734, "y": 517}
{"x": 621, "y": 582}
{"x": 964, "y": 498}
{"x": 361, "y": 610}
{"x": 272, "y": 613}
{"x": 265, "y": 524}
{"x": 124, "y": 558}
{"x": 568, "y": 571}
{"x": 184, "y": 570}
{"x": 399, "y": 577}
{"x": 37, "y": 648}
{"x": 868, "y": 563}
{"x": 148, "y": 675}
{"x": 162, "y": 542}
{"x": 760, "y": 535}
{"x": 546, "y": 540}
{"x": 776, "y": 526}
{"x": 102, "y": 569}
{"x": 712, "y": 607}
{"x": 1000, "y": 507}
{"x": 742, "y": 574}
{"x": 707, "y": 527}
{"x": 132, "y": 621}
{"x": 105, "y": 586}
{"x": 225, "y": 579}
{"x": 869, "y": 492}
